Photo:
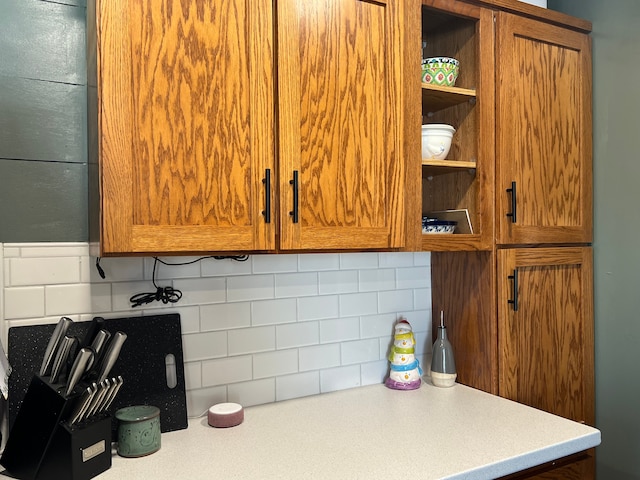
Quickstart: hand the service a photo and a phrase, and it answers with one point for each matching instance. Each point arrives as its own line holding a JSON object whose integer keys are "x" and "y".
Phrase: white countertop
{"x": 367, "y": 433}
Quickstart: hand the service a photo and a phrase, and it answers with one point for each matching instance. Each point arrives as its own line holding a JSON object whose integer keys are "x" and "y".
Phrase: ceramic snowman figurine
{"x": 405, "y": 372}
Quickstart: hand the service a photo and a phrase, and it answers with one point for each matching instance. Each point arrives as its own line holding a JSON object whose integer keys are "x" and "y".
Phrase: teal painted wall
{"x": 616, "y": 162}
{"x": 43, "y": 118}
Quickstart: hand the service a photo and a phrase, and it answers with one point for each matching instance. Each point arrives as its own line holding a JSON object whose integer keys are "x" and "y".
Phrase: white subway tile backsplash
{"x": 395, "y": 301}
{"x": 350, "y": 261}
{"x": 199, "y": 401}
{"x": 360, "y": 351}
{"x": 270, "y": 328}
{"x": 77, "y": 298}
{"x": 271, "y": 364}
{"x": 378, "y": 325}
{"x": 377, "y": 280}
{"x": 224, "y": 316}
{"x": 413, "y": 277}
{"x": 296, "y": 284}
{"x": 43, "y": 271}
{"x": 395, "y": 259}
{"x": 53, "y": 249}
{"x": 227, "y": 370}
{"x": 115, "y": 269}
{"x": 339, "y": 330}
{"x": 297, "y": 335}
{"x": 271, "y": 312}
{"x": 182, "y": 267}
{"x": 251, "y": 340}
{"x": 297, "y": 385}
{"x": 196, "y": 291}
{"x": 319, "y": 357}
{"x": 420, "y": 320}
{"x": 317, "y": 262}
{"x": 210, "y": 267}
{"x": 422, "y": 259}
{"x": 358, "y": 304}
{"x": 422, "y": 298}
{"x": 204, "y": 345}
{"x": 275, "y": 263}
{"x": 250, "y": 287}
{"x": 340, "y": 378}
{"x": 252, "y": 393}
{"x": 337, "y": 282}
{"x": 193, "y": 375}
{"x": 23, "y": 302}
{"x": 374, "y": 372}
{"x": 317, "y": 308}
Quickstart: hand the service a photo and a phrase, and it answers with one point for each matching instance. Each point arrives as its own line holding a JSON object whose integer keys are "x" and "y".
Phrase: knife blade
{"x": 111, "y": 355}
{"x": 56, "y": 337}
{"x": 78, "y": 368}
{"x": 61, "y": 358}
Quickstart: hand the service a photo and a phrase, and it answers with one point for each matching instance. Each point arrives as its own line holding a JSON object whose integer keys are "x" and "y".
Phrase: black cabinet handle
{"x": 512, "y": 214}
{"x": 267, "y": 196}
{"x": 514, "y": 291}
{"x": 294, "y": 183}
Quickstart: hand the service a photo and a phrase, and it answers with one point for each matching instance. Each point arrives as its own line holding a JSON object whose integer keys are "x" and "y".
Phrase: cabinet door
{"x": 186, "y": 124}
{"x": 340, "y": 74}
{"x": 543, "y": 133}
{"x": 545, "y": 340}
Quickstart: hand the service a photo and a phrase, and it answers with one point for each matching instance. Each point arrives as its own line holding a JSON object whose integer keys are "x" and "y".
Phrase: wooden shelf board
{"x": 432, "y": 167}
{"x": 435, "y": 97}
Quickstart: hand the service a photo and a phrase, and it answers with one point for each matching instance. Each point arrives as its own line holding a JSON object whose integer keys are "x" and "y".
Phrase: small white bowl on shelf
{"x": 436, "y": 140}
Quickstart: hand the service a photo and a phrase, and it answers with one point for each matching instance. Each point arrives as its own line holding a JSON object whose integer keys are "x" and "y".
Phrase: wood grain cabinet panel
{"x": 543, "y": 128}
{"x": 545, "y": 329}
{"x": 206, "y": 110}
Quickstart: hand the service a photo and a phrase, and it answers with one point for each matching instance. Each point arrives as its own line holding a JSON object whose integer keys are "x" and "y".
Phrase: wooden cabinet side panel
{"x": 546, "y": 347}
{"x": 463, "y": 287}
{"x": 341, "y": 77}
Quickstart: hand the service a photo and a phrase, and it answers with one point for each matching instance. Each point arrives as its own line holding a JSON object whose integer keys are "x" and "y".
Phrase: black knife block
{"x": 43, "y": 446}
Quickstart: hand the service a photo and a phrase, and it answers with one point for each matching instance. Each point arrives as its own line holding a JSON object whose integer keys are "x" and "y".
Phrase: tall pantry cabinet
{"x": 247, "y": 126}
{"x": 520, "y": 312}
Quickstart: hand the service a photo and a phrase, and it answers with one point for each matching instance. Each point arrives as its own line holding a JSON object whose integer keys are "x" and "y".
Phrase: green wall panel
{"x": 42, "y": 40}
{"x": 43, "y": 201}
{"x": 42, "y": 120}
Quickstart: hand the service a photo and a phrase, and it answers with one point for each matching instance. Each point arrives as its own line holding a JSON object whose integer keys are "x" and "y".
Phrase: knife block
{"x": 42, "y": 446}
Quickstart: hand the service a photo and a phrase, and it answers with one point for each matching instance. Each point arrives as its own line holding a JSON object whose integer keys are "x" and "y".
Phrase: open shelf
{"x": 436, "y": 98}
{"x": 432, "y": 167}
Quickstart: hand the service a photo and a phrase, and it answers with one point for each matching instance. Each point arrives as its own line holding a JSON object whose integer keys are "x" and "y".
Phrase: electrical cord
{"x": 169, "y": 294}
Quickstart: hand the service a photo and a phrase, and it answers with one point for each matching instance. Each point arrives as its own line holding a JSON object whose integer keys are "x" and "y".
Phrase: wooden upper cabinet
{"x": 199, "y": 137}
{"x": 546, "y": 345}
{"x": 340, "y": 112}
{"x": 543, "y": 131}
{"x": 186, "y": 124}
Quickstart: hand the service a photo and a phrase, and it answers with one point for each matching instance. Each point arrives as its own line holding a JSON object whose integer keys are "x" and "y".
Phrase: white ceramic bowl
{"x": 436, "y": 140}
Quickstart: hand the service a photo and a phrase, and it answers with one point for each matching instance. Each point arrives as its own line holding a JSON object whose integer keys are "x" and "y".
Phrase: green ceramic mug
{"x": 138, "y": 430}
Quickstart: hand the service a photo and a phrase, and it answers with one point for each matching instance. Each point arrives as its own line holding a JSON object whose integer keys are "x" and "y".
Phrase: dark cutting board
{"x": 142, "y": 364}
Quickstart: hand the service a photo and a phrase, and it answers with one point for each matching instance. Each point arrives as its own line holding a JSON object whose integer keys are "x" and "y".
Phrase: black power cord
{"x": 170, "y": 294}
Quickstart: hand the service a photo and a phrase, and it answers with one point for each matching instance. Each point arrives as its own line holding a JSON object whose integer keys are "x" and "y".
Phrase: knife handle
{"x": 78, "y": 368}
{"x": 95, "y": 326}
{"x": 56, "y": 337}
{"x": 61, "y": 358}
{"x": 111, "y": 355}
